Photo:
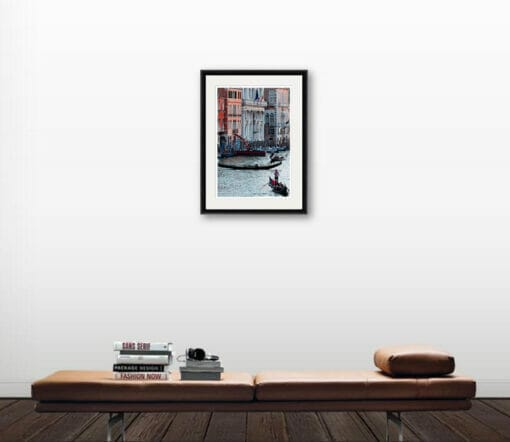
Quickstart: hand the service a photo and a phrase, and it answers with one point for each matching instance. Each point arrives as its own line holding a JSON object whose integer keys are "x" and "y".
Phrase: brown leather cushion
{"x": 100, "y": 386}
{"x": 414, "y": 360}
{"x": 357, "y": 385}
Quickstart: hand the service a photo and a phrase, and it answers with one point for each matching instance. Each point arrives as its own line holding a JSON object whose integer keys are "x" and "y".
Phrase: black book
{"x": 139, "y": 367}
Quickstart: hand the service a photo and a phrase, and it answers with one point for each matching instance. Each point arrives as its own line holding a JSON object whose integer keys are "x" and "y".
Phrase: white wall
{"x": 408, "y": 234}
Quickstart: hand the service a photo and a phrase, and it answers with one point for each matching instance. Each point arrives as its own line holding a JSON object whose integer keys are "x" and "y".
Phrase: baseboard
{"x": 488, "y": 388}
{"x": 485, "y": 388}
{"x": 15, "y": 389}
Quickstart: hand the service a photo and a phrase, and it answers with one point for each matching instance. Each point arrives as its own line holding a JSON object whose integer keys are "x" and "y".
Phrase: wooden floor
{"x": 487, "y": 421}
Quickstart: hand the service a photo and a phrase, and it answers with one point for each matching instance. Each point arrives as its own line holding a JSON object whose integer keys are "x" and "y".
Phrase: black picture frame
{"x": 304, "y": 142}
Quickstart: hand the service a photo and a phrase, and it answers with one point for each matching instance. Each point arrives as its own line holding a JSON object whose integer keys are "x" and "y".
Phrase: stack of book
{"x": 140, "y": 361}
{"x": 205, "y": 370}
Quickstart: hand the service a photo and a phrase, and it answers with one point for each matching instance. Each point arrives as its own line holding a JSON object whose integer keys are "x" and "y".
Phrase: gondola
{"x": 250, "y": 166}
{"x": 275, "y": 158}
{"x": 280, "y": 188}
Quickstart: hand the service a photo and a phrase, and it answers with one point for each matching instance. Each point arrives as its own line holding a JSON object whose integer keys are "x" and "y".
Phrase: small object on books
{"x": 142, "y": 361}
{"x": 199, "y": 354}
{"x": 201, "y": 366}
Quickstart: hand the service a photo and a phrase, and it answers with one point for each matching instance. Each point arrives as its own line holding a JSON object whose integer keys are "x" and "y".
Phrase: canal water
{"x": 251, "y": 183}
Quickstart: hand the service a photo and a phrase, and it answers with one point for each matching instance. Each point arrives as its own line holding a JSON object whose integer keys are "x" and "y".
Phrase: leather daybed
{"x": 410, "y": 379}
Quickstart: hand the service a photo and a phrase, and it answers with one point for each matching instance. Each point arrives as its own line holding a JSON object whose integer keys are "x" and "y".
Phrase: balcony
{"x": 258, "y": 103}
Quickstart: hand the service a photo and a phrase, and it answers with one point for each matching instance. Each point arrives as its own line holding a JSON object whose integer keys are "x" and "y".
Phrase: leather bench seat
{"x": 97, "y": 391}
{"x": 99, "y": 386}
{"x": 357, "y": 385}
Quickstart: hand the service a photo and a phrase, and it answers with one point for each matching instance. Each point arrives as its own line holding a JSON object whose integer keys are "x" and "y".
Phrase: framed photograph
{"x": 253, "y": 141}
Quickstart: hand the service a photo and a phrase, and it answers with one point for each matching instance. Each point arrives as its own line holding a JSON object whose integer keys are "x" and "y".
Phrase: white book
{"x": 141, "y": 376}
{"x": 142, "y": 346}
{"x": 143, "y": 359}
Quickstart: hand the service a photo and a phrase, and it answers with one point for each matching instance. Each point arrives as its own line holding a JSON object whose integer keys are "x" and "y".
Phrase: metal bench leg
{"x": 395, "y": 418}
{"x": 114, "y": 418}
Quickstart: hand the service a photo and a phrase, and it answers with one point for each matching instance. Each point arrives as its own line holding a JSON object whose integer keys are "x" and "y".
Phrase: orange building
{"x": 222, "y": 112}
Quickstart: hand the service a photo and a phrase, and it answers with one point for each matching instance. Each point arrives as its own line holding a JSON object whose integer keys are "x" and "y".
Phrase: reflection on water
{"x": 251, "y": 183}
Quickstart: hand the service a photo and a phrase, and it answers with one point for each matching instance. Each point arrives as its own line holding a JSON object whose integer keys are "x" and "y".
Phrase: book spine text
{"x": 143, "y": 376}
{"x": 141, "y": 346}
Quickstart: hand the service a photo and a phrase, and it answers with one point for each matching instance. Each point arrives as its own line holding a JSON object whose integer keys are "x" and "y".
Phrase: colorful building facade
{"x": 277, "y": 116}
{"x": 253, "y": 109}
{"x": 229, "y": 115}
{"x": 259, "y": 115}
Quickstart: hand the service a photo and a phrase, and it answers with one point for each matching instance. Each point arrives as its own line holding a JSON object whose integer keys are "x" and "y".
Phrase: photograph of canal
{"x": 253, "y": 142}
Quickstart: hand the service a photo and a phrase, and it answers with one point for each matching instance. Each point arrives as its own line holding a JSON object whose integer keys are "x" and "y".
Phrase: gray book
{"x": 201, "y": 369}
{"x": 203, "y": 376}
{"x": 200, "y": 364}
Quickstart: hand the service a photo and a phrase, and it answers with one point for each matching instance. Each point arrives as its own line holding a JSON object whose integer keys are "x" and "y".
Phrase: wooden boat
{"x": 251, "y": 153}
{"x": 280, "y": 188}
{"x": 275, "y": 158}
{"x": 250, "y": 166}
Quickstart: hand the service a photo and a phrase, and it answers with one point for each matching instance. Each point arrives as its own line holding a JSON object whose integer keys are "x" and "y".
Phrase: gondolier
{"x": 276, "y": 186}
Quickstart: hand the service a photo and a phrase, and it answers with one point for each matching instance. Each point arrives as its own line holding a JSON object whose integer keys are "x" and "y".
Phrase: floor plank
{"x": 376, "y": 421}
{"x": 502, "y": 405}
{"x": 96, "y": 431}
{"x": 188, "y": 427}
{"x": 492, "y": 418}
{"x": 65, "y": 429}
{"x": 305, "y": 427}
{"x": 15, "y": 411}
{"x": 428, "y": 428}
{"x": 488, "y": 420}
{"x": 149, "y": 427}
{"x": 347, "y": 427}
{"x": 266, "y": 427}
{"x": 468, "y": 427}
{"x": 6, "y": 402}
{"x": 226, "y": 427}
{"x": 30, "y": 425}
